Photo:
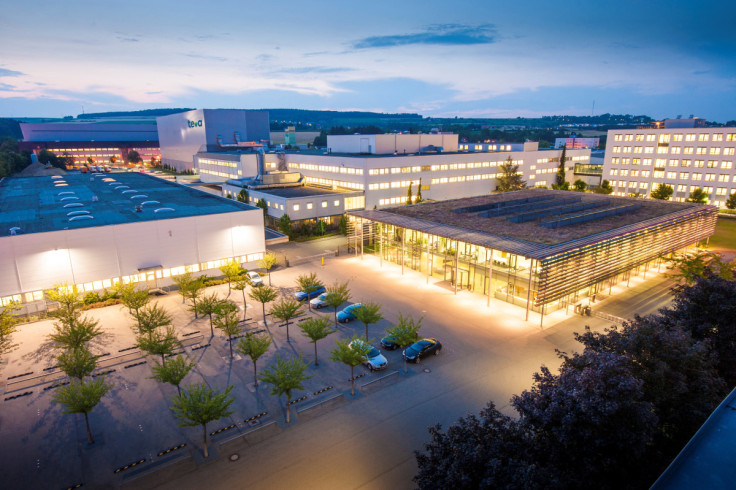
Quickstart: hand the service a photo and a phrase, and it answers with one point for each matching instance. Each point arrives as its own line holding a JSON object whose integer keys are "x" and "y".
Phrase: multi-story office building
{"x": 638, "y": 160}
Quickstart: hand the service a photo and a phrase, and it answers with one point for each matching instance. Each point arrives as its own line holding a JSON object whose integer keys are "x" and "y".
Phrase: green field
{"x": 725, "y": 236}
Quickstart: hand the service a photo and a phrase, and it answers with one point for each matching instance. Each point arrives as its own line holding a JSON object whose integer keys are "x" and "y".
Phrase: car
{"x": 303, "y": 295}
{"x": 348, "y": 313}
{"x": 373, "y": 360}
{"x": 389, "y": 342}
{"x": 255, "y": 278}
{"x": 320, "y": 301}
{"x": 422, "y": 348}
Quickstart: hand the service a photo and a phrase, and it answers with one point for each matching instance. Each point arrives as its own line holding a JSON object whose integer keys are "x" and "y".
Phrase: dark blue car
{"x": 422, "y": 348}
{"x": 302, "y": 295}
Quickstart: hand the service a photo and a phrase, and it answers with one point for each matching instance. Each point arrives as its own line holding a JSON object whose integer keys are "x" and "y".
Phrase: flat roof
{"x": 301, "y": 191}
{"x": 37, "y": 204}
{"x": 451, "y": 219}
{"x": 324, "y": 153}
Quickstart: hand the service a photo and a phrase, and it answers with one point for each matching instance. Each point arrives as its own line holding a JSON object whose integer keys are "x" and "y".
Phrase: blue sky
{"x": 461, "y": 58}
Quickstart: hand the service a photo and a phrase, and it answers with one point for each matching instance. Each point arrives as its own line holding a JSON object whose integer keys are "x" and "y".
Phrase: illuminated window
{"x": 296, "y": 207}
{"x": 337, "y": 202}
{"x": 309, "y": 205}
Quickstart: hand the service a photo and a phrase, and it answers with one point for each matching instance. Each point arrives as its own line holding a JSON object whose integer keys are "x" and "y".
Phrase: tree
{"x": 285, "y": 310}
{"x": 405, "y": 333}
{"x": 351, "y": 352}
{"x": 510, "y": 178}
{"x": 243, "y": 196}
{"x": 698, "y": 195}
{"x": 579, "y": 185}
{"x": 368, "y": 314}
{"x": 692, "y": 266}
{"x": 263, "y": 294}
{"x": 262, "y": 204}
{"x": 151, "y": 317}
{"x": 316, "y": 329}
{"x": 159, "y": 342}
{"x": 190, "y": 288}
{"x": 132, "y": 297}
{"x": 285, "y": 377}
{"x": 604, "y": 188}
{"x": 172, "y": 372}
{"x": 79, "y": 397}
{"x": 200, "y": 405}
{"x": 254, "y": 346}
{"x": 285, "y": 224}
{"x": 231, "y": 270}
{"x": 267, "y": 262}
{"x": 731, "y": 201}
{"x": 226, "y": 319}
{"x": 70, "y": 304}
{"x": 241, "y": 284}
{"x": 337, "y": 294}
{"x": 75, "y": 333}
{"x": 560, "y": 176}
{"x": 308, "y": 283}
{"x": 134, "y": 157}
{"x": 419, "y": 193}
{"x": 77, "y": 362}
{"x": 408, "y": 195}
{"x": 207, "y": 305}
{"x": 343, "y": 224}
{"x": 8, "y": 326}
{"x": 662, "y": 192}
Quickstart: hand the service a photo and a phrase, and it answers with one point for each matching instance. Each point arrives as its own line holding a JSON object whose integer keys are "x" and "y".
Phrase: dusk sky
{"x": 461, "y": 58}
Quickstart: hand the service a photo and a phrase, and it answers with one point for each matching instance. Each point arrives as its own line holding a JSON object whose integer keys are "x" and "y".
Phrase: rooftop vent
{"x": 164, "y": 210}
{"x": 138, "y": 196}
{"x": 129, "y": 190}
{"x": 68, "y": 198}
{"x": 122, "y": 187}
{"x": 74, "y": 205}
{"x": 77, "y": 218}
{"x": 65, "y": 192}
{"x": 14, "y": 230}
{"x": 54, "y": 177}
{"x": 149, "y": 202}
{"x": 77, "y": 213}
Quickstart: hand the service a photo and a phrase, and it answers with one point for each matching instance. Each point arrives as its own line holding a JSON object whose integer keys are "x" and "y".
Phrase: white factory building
{"x": 685, "y": 158}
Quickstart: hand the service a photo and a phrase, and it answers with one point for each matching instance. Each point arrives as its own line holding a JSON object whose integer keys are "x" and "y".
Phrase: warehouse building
{"x": 95, "y": 230}
{"x": 540, "y": 249}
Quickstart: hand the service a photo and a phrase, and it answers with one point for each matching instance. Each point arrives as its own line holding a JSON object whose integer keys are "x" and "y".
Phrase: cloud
{"x": 127, "y": 39}
{"x": 449, "y": 34}
{"x": 316, "y": 69}
{"x": 205, "y": 57}
{"x": 4, "y": 72}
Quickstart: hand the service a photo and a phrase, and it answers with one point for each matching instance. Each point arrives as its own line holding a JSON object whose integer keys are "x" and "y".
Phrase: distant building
{"x": 570, "y": 143}
{"x": 692, "y": 122}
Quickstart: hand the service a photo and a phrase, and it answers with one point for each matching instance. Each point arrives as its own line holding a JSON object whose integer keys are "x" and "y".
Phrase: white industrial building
{"x": 93, "y": 231}
{"x": 685, "y": 158}
{"x": 184, "y": 134}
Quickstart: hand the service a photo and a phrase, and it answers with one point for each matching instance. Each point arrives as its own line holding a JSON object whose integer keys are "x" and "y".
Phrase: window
{"x": 638, "y": 149}
{"x": 658, "y": 174}
{"x": 649, "y": 149}
{"x": 710, "y": 177}
{"x": 672, "y": 175}
{"x": 295, "y": 207}
{"x": 702, "y": 150}
{"x": 664, "y": 138}
{"x": 703, "y": 137}
{"x": 629, "y": 137}
{"x": 337, "y": 203}
{"x": 674, "y": 163}
{"x": 721, "y": 191}
{"x": 728, "y": 151}
{"x": 627, "y": 149}
{"x": 718, "y": 137}
{"x": 675, "y": 150}
{"x": 682, "y": 188}
{"x": 309, "y": 205}
{"x": 697, "y": 176}
{"x": 639, "y": 137}
{"x": 324, "y": 204}
{"x": 688, "y": 150}
{"x": 686, "y": 163}
{"x": 726, "y": 164}
{"x": 651, "y": 137}
{"x": 616, "y": 149}
{"x": 676, "y": 137}
{"x": 690, "y": 137}
{"x": 712, "y": 163}
{"x": 684, "y": 175}
{"x": 723, "y": 178}
{"x": 617, "y": 137}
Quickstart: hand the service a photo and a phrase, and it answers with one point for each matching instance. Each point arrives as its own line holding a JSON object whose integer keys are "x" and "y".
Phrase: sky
{"x": 463, "y": 58}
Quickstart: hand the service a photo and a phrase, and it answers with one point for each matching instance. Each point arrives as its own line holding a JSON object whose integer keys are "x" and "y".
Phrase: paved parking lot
{"x": 364, "y": 441}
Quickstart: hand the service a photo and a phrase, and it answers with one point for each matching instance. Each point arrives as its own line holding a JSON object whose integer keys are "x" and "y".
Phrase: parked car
{"x": 422, "y": 348}
{"x": 303, "y": 295}
{"x": 320, "y": 301}
{"x": 348, "y": 313}
{"x": 255, "y": 279}
{"x": 389, "y": 342}
{"x": 373, "y": 360}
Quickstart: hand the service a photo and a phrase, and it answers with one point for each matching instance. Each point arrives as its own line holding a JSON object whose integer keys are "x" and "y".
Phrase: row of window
{"x": 219, "y": 174}
{"x": 439, "y": 167}
{"x": 463, "y": 178}
{"x": 660, "y": 174}
{"x": 719, "y": 191}
{"x": 327, "y": 168}
{"x": 665, "y": 138}
{"x": 662, "y": 162}
{"x": 336, "y": 183}
{"x": 675, "y": 150}
{"x": 219, "y": 163}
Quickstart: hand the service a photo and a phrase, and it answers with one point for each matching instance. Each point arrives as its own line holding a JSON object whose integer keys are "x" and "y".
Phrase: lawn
{"x": 725, "y": 236}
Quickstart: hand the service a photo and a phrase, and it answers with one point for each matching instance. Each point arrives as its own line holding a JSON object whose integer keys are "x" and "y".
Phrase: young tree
{"x": 408, "y": 195}
{"x": 285, "y": 310}
{"x": 79, "y": 397}
{"x": 207, "y": 305}
{"x": 419, "y": 193}
{"x": 226, "y": 319}
{"x": 405, "y": 333}
{"x": 134, "y": 157}
{"x": 604, "y": 188}
{"x": 254, "y": 346}
{"x": 262, "y": 204}
{"x": 243, "y": 196}
{"x": 76, "y": 333}
{"x": 241, "y": 284}
{"x": 263, "y": 294}
{"x": 308, "y": 283}
{"x": 190, "y": 288}
{"x": 662, "y": 192}
{"x": 8, "y": 326}
{"x": 232, "y": 271}
{"x": 693, "y": 266}
{"x": 285, "y": 224}
{"x": 70, "y": 304}
{"x": 151, "y": 317}
{"x": 172, "y": 372}
{"x": 267, "y": 262}
{"x": 351, "y": 355}
{"x": 316, "y": 329}
{"x": 134, "y": 299}
{"x": 77, "y": 362}
{"x": 159, "y": 342}
{"x": 343, "y": 224}
{"x": 698, "y": 195}
{"x": 560, "y": 176}
{"x": 731, "y": 201}
{"x": 200, "y": 405}
{"x": 285, "y": 377}
{"x": 337, "y": 294}
{"x": 510, "y": 179}
{"x": 579, "y": 185}
{"x": 368, "y": 314}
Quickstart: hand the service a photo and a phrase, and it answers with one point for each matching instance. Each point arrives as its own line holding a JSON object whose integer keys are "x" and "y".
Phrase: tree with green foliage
{"x": 405, "y": 333}
{"x": 510, "y": 178}
{"x": 343, "y": 225}
{"x": 151, "y": 317}
{"x": 134, "y": 299}
{"x": 308, "y": 283}
{"x": 75, "y": 333}
{"x": 79, "y": 397}
{"x": 698, "y": 195}
{"x": 263, "y": 295}
{"x": 159, "y": 342}
{"x": 190, "y": 288}
{"x": 316, "y": 329}
{"x": 77, "y": 362}
{"x": 419, "y": 193}
{"x": 8, "y": 326}
{"x": 285, "y": 377}
{"x": 285, "y": 224}
{"x": 604, "y": 188}
{"x": 368, "y": 314}
{"x": 207, "y": 305}
{"x": 731, "y": 201}
{"x": 337, "y": 294}
{"x": 662, "y": 192}
{"x": 579, "y": 185}
{"x": 560, "y": 176}
{"x": 243, "y": 196}
{"x": 254, "y": 346}
{"x": 408, "y": 195}
{"x": 200, "y": 405}
{"x": 172, "y": 372}
{"x": 696, "y": 265}
{"x": 268, "y": 262}
{"x": 285, "y": 310}
{"x": 134, "y": 157}
{"x": 12, "y": 160}
{"x": 262, "y": 204}
{"x": 350, "y": 352}
{"x": 241, "y": 284}
{"x": 226, "y": 319}
{"x": 231, "y": 270}
{"x": 69, "y": 300}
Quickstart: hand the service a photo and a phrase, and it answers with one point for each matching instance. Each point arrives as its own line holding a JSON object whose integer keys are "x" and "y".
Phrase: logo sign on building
{"x": 194, "y": 124}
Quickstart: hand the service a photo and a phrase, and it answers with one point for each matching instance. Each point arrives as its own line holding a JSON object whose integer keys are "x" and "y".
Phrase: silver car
{"x": 373, "y": 360}
{"x": 320, "y": 301}
{"x": 255, "y": 279}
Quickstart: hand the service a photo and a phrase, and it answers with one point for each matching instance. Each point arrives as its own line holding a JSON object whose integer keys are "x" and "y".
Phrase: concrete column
{"x": 403, "y": 237}
{"x": 429, "y": 270}
{"x": 490, "y": 278}
{"x": 457, "y": 256}
{"x": 529, "y": 289}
